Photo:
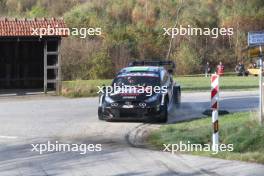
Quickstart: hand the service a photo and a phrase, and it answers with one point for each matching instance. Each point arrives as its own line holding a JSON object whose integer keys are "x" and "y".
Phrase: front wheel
{"x": 164, "y": 113}
{"x": 100, "y": 113}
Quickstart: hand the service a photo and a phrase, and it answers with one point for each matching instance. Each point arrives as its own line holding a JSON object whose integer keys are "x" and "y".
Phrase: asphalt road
{"x": 39, "y": 119}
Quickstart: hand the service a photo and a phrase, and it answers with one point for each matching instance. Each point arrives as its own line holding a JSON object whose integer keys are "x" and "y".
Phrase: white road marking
{"x": 8, "y": 137}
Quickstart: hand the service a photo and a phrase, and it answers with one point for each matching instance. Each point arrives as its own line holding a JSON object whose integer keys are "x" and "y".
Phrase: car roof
{"x": 140, "y": 74}
{"x": 151, "y": 69}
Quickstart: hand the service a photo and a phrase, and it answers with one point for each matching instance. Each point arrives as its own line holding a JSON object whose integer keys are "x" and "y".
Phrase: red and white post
{"x": 214, "y": 106}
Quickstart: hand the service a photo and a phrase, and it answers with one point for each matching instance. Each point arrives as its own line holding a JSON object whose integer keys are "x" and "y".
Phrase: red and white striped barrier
{"x": 214, "y": 91}
{"x": 215, "y": 106}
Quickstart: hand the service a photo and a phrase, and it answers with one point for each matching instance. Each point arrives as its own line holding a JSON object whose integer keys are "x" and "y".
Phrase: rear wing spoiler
{"x": 171, "y": 65}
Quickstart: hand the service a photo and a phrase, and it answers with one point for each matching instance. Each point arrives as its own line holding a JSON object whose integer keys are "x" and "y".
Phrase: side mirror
{"x": 104, "y": 88}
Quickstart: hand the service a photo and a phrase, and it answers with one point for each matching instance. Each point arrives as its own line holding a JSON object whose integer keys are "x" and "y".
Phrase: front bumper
{"x": 135, "y": 113}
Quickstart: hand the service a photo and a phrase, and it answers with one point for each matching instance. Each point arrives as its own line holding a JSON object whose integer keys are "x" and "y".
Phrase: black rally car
{"x": 144, "y": 91}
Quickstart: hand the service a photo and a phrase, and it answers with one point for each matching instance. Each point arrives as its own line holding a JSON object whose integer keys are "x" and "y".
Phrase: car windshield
{"x": 137, "y": 81}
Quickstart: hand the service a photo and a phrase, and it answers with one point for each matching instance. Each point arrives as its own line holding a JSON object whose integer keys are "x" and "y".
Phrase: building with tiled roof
{"x": 29, "y": 60}
{"x": 24, "y": 27}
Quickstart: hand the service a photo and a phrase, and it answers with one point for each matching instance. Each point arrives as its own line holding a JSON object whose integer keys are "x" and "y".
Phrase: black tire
{"x": 164, "y": 113}
{"x": 177, "y": 95}
{"x": 100, "y": 113}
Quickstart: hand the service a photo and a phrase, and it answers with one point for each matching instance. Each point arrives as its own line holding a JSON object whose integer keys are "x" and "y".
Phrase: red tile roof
{"x": 10, "y": 27}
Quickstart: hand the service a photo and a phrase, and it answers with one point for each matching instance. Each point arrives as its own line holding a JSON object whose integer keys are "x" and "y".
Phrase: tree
{"x": 187, "y": 59}
{"x": 102, "y": 67}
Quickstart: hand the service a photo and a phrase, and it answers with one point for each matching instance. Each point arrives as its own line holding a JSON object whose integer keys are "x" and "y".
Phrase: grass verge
{"x": 226, "y": 83}
{"x": 88, "y": 88}
{"x": 82, "y": 88}
{"x": 240, "y": 129}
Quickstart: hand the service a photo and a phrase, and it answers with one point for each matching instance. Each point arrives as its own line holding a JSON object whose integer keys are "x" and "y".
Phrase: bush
{"x": 187, "y": 59}
{"x": 37, "y": 11}
{"x": 76, "y": 57}
{"x": 102, "y": 67}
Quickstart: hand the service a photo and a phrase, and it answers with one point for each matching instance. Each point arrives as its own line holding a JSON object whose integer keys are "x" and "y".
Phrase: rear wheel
{"x": 177, "y": 95}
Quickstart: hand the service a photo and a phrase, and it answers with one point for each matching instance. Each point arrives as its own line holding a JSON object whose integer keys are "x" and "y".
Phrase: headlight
{"x": 108, "y": 99}
{"x": 152, "y": 98}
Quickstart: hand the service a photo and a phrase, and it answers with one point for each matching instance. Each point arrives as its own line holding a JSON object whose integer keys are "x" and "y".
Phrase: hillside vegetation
{"x": 133, "y": 29}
